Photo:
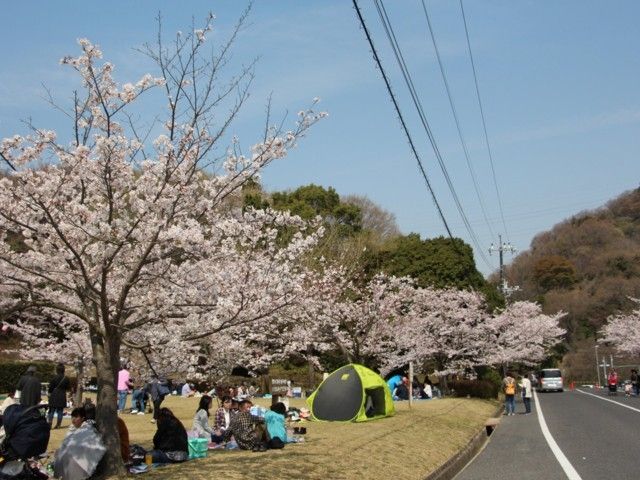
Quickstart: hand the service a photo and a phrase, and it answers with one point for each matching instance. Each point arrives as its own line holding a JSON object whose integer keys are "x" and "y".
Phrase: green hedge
{"x": 10, "y": 373}
{"x": 474, "y": 388}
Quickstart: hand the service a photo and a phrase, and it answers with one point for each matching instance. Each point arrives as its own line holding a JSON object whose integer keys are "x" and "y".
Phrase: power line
{"x": 402, "y": 122}
{"x": 455, "y": 116}
{"x": 418, "y": 104}
{"x": 484, "y": 123}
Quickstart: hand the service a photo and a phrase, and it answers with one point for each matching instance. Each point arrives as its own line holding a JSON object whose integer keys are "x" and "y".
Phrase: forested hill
{"x": 587, "y": 266}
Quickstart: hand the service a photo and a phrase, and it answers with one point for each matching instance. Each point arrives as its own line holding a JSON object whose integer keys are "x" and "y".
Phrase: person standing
{"x": 138, "y": 397}
{"x": 635, "y": 382}
{"x": 612, "y": 382}
{"x": 509, "y": 387}
{"x": 157, "y": 390}
{"x": 124, "y": 385}
{"x": 29, "y": 388}
{"x": 58, "y": 388}
{"x": 527, "y": 393}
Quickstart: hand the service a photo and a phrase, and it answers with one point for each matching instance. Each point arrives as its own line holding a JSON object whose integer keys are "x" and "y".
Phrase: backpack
{"x": 27, "y": 432}
{"x": 510, "y": 388}
{"x": 136, "y": 454}
{"x": 275, "y": 443}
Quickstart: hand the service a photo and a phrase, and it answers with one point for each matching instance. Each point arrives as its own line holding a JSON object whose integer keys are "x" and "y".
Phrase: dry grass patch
{"x": 409, "y": 445}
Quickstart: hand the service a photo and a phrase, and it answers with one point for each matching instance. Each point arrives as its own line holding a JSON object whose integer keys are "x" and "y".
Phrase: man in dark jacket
{"x": 157, "y": 389}
{"x": 29, "y": 387}
{"x": 243, "y": 429}
{"x": 58, "y": 395}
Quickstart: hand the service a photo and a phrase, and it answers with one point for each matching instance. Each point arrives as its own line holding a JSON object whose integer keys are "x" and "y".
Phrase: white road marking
{"x": 562, "y": 459}
{"x": 609, "y": 400}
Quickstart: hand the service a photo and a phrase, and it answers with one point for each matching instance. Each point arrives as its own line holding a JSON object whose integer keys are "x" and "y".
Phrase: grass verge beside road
{"x": 409, "y": 445}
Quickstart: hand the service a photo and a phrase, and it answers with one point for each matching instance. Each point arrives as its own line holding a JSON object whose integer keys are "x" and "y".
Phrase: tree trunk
{"x": 311, "y": 371}
{"x": 445, "y": 385}
{"x": 77, "y": 399}
{"x": 106, "y": 355}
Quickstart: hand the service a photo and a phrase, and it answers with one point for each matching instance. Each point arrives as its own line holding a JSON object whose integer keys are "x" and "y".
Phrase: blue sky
{"x": 558, "y": 79}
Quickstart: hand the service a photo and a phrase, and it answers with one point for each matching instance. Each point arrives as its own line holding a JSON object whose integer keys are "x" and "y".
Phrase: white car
{"x": 550, "y": 380}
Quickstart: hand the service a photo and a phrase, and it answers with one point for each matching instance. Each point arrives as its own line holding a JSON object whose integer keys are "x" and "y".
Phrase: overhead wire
{"x": 457, "y": 122}
{"x": 401, "y": 118}
{"x": 418, "y": 104}
{"x": 484, "y": 123}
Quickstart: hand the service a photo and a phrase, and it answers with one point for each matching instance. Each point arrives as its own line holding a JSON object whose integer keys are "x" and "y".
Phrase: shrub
{"x": 474, "y": 388}
{"x": 490, "y": 375}
{"x": 11, "y": 371}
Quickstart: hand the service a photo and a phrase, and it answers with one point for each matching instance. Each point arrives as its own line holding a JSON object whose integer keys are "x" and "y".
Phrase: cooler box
{"x": 198, "y": 447}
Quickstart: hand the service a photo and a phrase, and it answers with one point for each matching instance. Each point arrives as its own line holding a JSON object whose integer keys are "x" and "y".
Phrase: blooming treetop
{"x": 446, "y": 326}
{"x": 362, "y": 319}
{"x": 521, "y": 333}
{"x": 622, "y": 331}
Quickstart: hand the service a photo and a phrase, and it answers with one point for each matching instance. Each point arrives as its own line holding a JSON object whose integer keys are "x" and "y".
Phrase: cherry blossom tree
{"x": 444, "y": 326}
{"x": 360, "y": 318}
{"x": 339, "y": 312}
{"x": 138, "y": 245}
{"x": 521, "y": 333}
{"x": 622, "y": 331}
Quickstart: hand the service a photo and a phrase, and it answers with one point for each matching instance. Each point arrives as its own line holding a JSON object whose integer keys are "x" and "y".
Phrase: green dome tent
{"x": 352, "y": 393}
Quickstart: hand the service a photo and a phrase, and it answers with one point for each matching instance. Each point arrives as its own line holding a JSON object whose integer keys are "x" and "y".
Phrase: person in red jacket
{"x": 612, "y": 381}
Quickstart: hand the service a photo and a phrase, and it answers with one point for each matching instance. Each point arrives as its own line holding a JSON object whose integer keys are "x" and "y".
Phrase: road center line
{"x": 609, "y": 400}
{"x": 562, "y": 459}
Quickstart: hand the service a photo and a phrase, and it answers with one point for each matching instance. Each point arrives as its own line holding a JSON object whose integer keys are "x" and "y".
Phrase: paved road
{"x": 599, "y": 438}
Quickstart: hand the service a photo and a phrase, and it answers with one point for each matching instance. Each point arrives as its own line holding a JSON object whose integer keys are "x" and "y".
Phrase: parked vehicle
{"x": 550, "y": 380}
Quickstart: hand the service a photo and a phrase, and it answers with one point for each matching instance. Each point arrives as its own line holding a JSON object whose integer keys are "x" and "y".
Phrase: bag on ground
{"x": 198, "y": 447}
{"x": 27, "y": 432}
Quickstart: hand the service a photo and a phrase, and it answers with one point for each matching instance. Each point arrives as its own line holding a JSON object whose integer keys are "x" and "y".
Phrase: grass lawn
{"x": 409, "y": 445}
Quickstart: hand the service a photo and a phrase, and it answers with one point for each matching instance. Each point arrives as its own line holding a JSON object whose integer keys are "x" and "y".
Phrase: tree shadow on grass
{"x": 303, "y": 465}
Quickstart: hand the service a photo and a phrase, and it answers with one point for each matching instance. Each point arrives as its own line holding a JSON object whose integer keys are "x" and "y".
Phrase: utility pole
{"x": 611, "y": 362}
{"x": 503, "y": 247}
{"x": 597, "y": 366}
{"x": 604, "y": 366}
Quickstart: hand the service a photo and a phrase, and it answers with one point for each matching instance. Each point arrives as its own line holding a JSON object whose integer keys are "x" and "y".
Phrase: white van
{"x": 550, "y": 380}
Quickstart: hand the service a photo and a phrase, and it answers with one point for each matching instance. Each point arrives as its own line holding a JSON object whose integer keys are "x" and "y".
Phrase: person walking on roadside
{"x": 58, "y": 387}
{"x": 29, "y": 388}
{"x": 509, "y": 388}
{"x": 635, "y": 382}
{"x": 612, "y": 382}
{"x": 527, "y": 393}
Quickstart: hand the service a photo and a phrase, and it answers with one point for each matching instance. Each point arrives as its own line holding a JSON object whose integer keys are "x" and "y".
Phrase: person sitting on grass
{"x": 123, "y": 432}
{"x": 402, "y": 390}
{"x": 82, "y": 441}
{"x": 201, "y": 426}
{"x": 187, "y": 390}
{"x": 243, "y": 429}
{"x": 274, "y": 420}
{"x": 170, "y": 443}
{"x": 235, "y": 407}
{"x": 223, "y": 419}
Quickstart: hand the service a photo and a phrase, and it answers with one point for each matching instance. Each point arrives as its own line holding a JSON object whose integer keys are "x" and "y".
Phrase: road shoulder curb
{"x": 455, "y": 464}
